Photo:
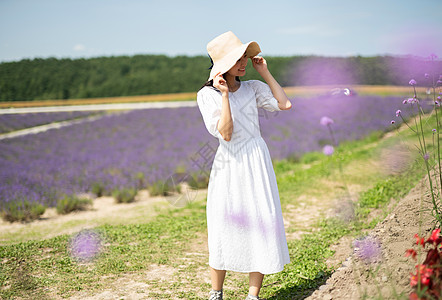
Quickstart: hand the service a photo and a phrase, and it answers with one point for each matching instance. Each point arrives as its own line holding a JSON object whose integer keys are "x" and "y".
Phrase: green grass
{"x": 28, "y": 268}
{"x": 308, "y": 172}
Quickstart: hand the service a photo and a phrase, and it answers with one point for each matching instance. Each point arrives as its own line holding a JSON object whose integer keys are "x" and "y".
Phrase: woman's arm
{"x": 225, "y": 123}
{"x": 260, "y": 64}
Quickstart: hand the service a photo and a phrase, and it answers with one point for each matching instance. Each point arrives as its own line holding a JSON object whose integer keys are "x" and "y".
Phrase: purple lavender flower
{"x": 85, "y": 245}
{"x": 412, "y": 82}
{"x": 434, "y": 130}
{"x": 325, "y": 121}
{"x": 80, "y": 162}
{"x": 398, "y": 112}
{"x": 426, "y": 156}
{"x": 438, "y": 98}
{"x": 328, "y": 150}
{"x": 368, "y": 249}
{"x": 405, "y": 101}
{"x": 392, "y": 122}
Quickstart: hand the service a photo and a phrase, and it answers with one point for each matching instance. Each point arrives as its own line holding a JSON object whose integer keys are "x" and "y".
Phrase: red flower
{"x": 423, "y": 273}
{"x": 427, "y": 280}
{"x": 414, "y": 296}
{"x": 434, "y": 238}
{"x": 411, "y": 252}
{"x": 419, "y": 240}
{"x": 413, "y": 280}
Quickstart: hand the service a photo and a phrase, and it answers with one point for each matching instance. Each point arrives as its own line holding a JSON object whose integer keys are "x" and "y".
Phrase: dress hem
{"x": 241, "y": 271}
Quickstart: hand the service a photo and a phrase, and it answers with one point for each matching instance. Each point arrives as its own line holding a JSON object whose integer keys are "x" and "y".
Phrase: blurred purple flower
{"x": 405, "y": 101}
{"x": 438, "y": 98}
{"x": 412, "y": 100}
{"x": 392, "y": 122}
{"x": 434, "y": 130}
{"x": 437, "y": 103}
{"x": 427, "y": 75}
{"x": 426, "y": 156}
{"x": 328, "y": 150}
{"x": 412, "y": 82}
{"x": 398, "y": 112}
{"x": 368, "y": 249}
{"x": 85, "y": 245}
{"x": 325, "y": 121}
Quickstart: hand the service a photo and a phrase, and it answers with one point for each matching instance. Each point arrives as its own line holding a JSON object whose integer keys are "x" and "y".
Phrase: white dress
{"x": 244, "y": 219}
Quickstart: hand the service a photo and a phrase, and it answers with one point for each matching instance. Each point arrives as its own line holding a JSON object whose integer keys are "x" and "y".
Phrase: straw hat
{"x": 226, "y": 49}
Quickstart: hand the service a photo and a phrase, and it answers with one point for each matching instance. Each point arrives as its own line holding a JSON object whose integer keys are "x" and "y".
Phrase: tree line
{"x": 52, "y": 78}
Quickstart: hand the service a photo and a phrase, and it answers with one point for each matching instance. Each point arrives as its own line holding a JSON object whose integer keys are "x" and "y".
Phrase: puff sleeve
{"x": 264, "y": 96}
{"x": 210, "y": 108}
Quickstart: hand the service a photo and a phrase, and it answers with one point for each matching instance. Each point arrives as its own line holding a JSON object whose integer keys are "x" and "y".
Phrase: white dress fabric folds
{"x": 244, "y": 219}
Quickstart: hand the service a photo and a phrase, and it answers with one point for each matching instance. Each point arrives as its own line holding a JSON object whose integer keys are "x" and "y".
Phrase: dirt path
{"x": 90, "y": 107}
{"x": 350, "y": 281}
{"x": 390, "y": 274}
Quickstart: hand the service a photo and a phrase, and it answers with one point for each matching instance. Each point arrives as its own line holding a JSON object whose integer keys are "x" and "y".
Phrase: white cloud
{"x": 79, "y": 47}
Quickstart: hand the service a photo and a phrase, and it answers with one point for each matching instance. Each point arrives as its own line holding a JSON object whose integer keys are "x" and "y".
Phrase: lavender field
{"x": 139, "y": 148}
{"x": 11, "y": 122}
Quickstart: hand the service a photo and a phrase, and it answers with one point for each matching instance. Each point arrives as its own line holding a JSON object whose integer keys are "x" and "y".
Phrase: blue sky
{"x": 79, "y": 28}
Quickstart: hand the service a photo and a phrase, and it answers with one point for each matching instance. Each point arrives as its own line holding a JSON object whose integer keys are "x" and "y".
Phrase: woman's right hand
{"x": 220, "y": 83}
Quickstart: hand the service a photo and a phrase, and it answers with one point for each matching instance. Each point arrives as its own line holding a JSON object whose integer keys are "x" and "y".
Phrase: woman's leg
{"x": 217, "y": 277}
{"x": 255, "y": 282}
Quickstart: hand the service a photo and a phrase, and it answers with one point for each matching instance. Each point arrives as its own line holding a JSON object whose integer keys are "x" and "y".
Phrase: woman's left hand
{"x": 259, "y": 63}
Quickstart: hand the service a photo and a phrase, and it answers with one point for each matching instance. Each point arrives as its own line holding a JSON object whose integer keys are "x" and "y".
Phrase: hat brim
{"x": 227, "y": 62}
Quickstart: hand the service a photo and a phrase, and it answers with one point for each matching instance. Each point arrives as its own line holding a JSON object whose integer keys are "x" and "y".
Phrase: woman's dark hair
{"x": 210, "y": 82}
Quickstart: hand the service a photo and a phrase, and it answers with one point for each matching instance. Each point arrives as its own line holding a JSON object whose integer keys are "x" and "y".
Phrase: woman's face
{"x": 239, "y": 69}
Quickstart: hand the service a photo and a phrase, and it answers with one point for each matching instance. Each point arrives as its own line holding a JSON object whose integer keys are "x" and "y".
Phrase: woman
{"x": 244, "y": 219}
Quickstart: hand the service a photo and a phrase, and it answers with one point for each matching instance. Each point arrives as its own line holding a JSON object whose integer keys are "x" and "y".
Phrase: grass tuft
{"x": 24, "y": 211}
{"x": 72, "y": 203}
{"x": 124, "y": 195}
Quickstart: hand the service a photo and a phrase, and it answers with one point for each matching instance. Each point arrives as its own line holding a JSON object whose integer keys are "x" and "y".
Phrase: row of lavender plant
{"x": 298, "y": 131}
{"x": 12, "y": 122}
{"x": 139, "y": 148}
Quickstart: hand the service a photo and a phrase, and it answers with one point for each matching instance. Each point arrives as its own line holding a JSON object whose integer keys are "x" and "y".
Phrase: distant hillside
{"x": 156, "y": 74}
